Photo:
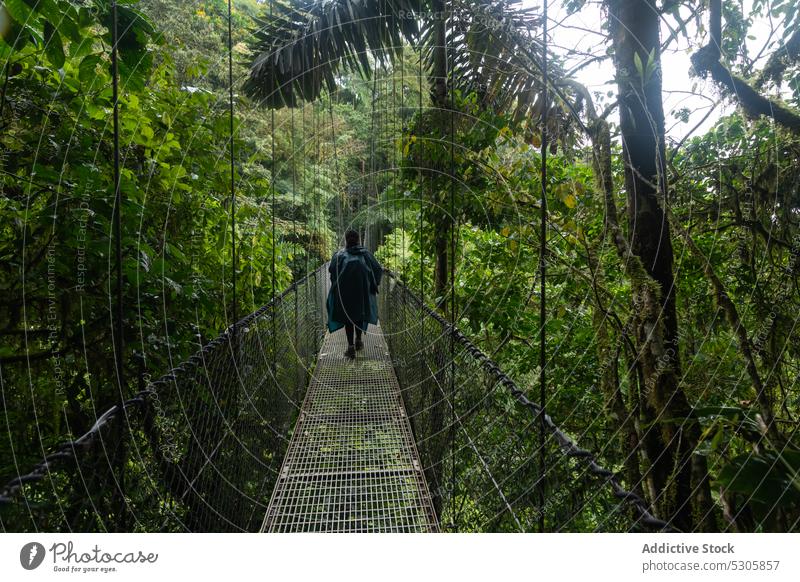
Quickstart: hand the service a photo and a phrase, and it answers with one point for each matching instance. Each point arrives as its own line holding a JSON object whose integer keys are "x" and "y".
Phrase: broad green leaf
{"x": 637, "y": 62}
{"x": 88, "y": 68}
{"x": 54, "y": 48}
{"x": 19, "y": 11}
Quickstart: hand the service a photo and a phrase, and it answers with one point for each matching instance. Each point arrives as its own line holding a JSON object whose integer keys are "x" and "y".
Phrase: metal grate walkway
{"x": 352, "y": 465}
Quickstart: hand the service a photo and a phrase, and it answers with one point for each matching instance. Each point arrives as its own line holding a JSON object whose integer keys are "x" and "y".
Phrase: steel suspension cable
{"x": 303, "y": 179}
{"x": 234, "y": 310}
{"x": 402, "y": 154}
{"x": 422, "y": 179}
{"x": 294, "y": 208}
{"x": 450, "y": 57}
{"x": 117, "y": 332}
{"x": 273, "y": 172}
{"x": 317, "y": 171}
{"x": 543, "y": 271}
{"x": 274, "y": 241}
{"x": 387, "y": 126}
{"x": 372, "y": 185}
{"x": 387, "y": 213}
{"x": 315, "y": 197}
{"x": 338, "y": 186}
{"x": 394, "y": 162}
{"x": 118, "y": 339}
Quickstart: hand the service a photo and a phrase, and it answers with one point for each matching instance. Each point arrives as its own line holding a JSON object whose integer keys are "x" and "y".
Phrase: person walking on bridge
{"x": 352, "y": 301}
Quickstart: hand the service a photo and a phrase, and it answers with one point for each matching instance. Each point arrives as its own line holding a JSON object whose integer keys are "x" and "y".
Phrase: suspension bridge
{"x": 269, "y": 428}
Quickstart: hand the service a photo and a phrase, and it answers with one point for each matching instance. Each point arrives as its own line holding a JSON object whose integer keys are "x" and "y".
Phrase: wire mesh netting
{"x": 200, "y": 449}
{"x": 433, "y": 437}
{"x": 479, "y": 437}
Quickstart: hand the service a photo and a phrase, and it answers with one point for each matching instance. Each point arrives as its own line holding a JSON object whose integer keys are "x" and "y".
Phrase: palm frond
{"x": 303, "y": 44}
{"x": 494, "y": 47}
{"x": 498, "y": 54}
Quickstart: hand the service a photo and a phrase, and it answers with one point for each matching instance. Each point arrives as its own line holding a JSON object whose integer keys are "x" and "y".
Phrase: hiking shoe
{"x": 350, "y": 353}
{"x": 359, "y": 344}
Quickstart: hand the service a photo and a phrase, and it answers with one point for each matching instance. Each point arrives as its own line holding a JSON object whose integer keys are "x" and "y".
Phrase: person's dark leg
{"x": 359, "y": 343}
{"x": 348, "y": 330}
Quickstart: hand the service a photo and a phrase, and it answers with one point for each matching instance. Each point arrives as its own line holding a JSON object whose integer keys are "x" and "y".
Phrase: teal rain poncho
{"x": 355, "y": 276}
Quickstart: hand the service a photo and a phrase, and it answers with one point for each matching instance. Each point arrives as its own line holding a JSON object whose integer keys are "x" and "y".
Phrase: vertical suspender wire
{"x": 117, "y": 330}
{"x": 398, "y": 169}
{"x": 317, "y": 187}
{"x": 339, "y": 210}
{"x": 314, "y": 192}
{"x": 303, "y": 184}
{"x": 450, "y": 60}
{"x": 383, "y": 133}
{"x": 401, "y": 119}
{"x": 272, "y": 170}
{"x": 397, "y": 120}
{"x": 542, "y": 275}
{"x": 118, "y": 339}
{"x": 304, "y": 196}
{"x": 385, "y": 141}
{"x": 292, "y": 154}
{"x": 392, "y": 165}
{"x": 380, "y": 135}
{"x": 338, "y": 186}
{"x": 372, "y": 185}
{"x": 420, "y": 186}
{"x": 386, "y": 213}
{"x": 391, "y": 160}
{"x": 274, "y": 241}
{"x": 318, "y": 195}
{"x": 231, "y": 151}
{"x": 234, "y": 310}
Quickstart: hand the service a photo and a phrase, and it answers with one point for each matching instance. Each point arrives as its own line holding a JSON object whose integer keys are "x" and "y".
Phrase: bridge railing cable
{"x": 204, "y": 442}
{"x": 495, "y": 462}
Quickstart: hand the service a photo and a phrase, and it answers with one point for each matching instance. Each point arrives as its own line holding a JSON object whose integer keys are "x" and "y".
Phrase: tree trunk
{"x": 670, "y": 436}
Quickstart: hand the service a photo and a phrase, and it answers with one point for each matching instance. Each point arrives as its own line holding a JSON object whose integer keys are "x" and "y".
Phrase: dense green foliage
{"x": 377, "y": 155}
{"x": 57, "y": 204}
